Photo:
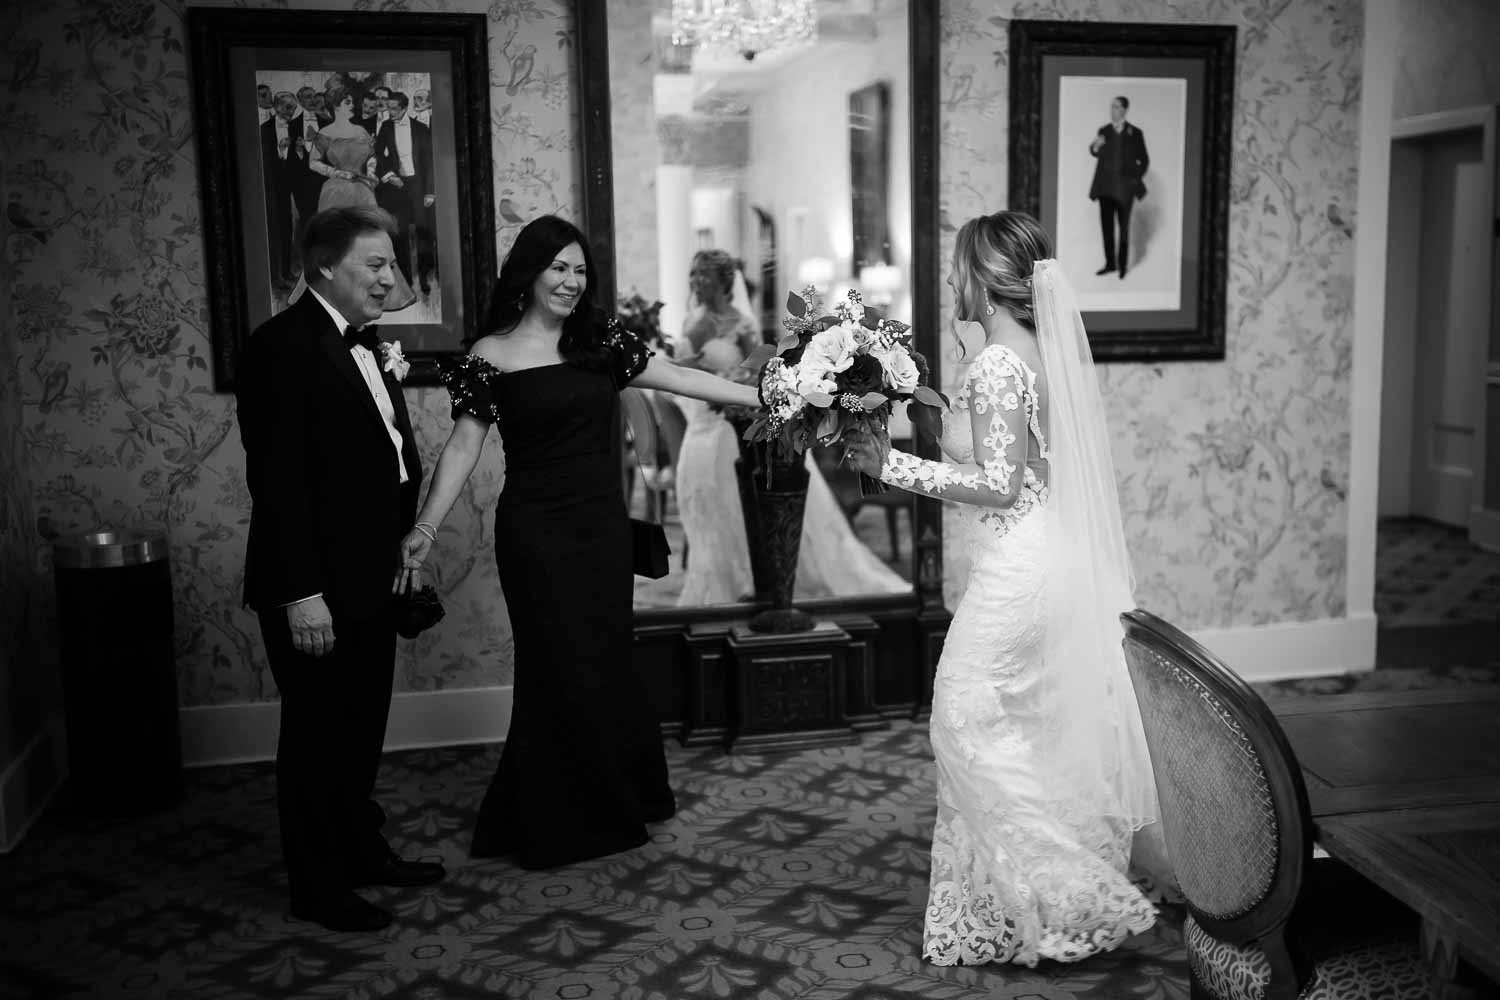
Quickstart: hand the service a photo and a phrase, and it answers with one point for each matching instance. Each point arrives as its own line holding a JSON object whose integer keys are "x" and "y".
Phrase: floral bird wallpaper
{"x": 1232, "y": 473}
{"x": 108, "y": 416}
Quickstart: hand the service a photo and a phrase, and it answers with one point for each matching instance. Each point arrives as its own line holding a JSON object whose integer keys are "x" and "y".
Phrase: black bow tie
{"x": 366, "y": 336}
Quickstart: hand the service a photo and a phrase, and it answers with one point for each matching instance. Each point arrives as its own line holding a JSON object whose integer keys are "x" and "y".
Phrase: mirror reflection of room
{"x": 742, "y": 179}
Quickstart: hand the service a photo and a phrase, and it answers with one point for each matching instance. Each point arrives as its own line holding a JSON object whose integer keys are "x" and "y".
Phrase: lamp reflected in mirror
{"x": 816, "y": 272}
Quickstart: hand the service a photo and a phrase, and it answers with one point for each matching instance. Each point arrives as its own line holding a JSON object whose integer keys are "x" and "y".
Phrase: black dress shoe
{"x": 394, "y": 871}
{"x": 343, "y": 913}
{"x": 1105, "y": 269}
{"x": 1122, "y": 272}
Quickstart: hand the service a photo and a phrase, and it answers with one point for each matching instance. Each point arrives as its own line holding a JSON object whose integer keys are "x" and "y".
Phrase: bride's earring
{"x": 989, "y": 306}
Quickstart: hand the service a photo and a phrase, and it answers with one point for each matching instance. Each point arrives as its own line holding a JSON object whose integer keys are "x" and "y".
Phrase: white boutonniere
{"x": 392, "y": 360}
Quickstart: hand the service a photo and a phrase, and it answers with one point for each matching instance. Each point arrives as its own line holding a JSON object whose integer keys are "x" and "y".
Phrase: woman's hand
{"x": 414, "y": 549}
{"x": 867, "y": 453}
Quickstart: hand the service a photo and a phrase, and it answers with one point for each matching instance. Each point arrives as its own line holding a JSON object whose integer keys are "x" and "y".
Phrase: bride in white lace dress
{"x": 832, "y": 561}
{"x": 1043, "y": 773}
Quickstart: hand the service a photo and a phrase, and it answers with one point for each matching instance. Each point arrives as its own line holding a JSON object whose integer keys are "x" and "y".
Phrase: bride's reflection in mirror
{"x": 767, "y": 174}
{"x": 719, "y": 332}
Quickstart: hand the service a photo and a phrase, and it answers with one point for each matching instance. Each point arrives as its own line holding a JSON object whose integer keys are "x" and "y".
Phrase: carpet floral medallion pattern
{"x": 799, "y": 875}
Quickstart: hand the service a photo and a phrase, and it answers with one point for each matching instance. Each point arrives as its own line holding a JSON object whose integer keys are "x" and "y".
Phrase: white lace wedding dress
{"x": 832, "y": 561}
{"x": 1021, "y": 870}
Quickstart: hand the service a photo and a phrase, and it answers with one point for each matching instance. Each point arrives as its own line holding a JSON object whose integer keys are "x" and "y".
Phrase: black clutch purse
{"x": 416, "y": 611}
{"x": 650, "y": 549}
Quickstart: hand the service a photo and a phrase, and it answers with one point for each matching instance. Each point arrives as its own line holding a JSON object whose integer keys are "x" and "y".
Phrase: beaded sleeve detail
{"x": 471, "y": 384}
{"x": 629, "y": 354}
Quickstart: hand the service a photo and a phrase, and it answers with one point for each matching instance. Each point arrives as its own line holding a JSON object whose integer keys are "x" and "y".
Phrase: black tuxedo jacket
{"x": 388, "y": 159}
{"x": 328, "y": 508}
{"x": 283, "y": 172}
{"x": 1121, "y": 163}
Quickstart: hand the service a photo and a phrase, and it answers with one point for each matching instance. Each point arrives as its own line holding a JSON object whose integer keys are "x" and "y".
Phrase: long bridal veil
{"x": 1090, "y": 584}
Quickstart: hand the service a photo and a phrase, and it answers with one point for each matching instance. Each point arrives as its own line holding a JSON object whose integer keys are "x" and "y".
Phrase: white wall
{"x": 799, "y": 147}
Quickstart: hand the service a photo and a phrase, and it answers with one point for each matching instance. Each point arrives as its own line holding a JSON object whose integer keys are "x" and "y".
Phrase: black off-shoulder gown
{"x": 583, "y": 768}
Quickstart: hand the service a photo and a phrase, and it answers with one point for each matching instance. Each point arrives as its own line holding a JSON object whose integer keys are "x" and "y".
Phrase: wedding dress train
{"x": 1024, "y": 866}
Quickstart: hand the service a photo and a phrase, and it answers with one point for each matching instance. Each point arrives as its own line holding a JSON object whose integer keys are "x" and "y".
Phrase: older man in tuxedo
{"x": 333, "y": 472}
{"x": 1119, "y": 149}
{"x": 403, "y": 162}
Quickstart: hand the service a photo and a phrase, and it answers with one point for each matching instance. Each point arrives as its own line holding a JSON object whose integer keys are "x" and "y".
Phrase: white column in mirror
{"x": 715, "y": 222}
{"x": 674, "y": 247}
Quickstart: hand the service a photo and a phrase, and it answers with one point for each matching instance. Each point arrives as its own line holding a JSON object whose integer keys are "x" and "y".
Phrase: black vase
{"x": 780, "y": 484}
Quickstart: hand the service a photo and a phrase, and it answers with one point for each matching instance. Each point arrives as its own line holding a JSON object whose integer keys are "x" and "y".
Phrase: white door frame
{"x": 1483, "y": 524}
{"x": 1382, "y": 38}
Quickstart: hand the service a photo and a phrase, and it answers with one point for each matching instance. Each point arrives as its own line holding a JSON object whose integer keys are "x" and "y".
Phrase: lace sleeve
{"x": 629, "y": 352}
{"x": 997, "y": 389}
{"x": 471, "y": 385}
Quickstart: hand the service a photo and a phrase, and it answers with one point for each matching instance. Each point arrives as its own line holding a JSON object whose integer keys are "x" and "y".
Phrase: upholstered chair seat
{"x": 1265, "y": 921}
{"x": 1359, "y": 943}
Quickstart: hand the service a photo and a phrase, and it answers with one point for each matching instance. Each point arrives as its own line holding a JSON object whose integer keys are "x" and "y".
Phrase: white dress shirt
{"x": 369, "y": 367}
{"x": 403, "y": 146}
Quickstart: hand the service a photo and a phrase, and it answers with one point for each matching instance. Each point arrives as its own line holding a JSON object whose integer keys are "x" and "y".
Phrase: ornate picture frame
{"x": 1120, "y": 146}
{"x": 272, "y": 151}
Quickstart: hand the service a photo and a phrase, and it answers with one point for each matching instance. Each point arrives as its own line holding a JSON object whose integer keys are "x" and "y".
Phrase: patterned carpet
{"x": 797, "y": 875}
{"x": 1430, "y": 574}
{"x": 783, "y": 876}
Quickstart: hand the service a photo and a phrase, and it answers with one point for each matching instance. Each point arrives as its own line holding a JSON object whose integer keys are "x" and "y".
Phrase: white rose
{"x": 900, "y": 370}
{"x": 832, "y": 349}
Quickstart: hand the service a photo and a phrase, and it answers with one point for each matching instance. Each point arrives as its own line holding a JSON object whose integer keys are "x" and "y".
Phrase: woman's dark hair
{"x": 328, "y": 235}
{"x": 536, "y": 247}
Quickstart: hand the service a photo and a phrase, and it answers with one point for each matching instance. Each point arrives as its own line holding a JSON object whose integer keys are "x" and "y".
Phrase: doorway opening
{"x": 1438, "y": 548}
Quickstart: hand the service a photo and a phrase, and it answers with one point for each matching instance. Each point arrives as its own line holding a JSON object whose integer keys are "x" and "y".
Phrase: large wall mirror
{"x": 739, "y": 176}
{"x": 730, "y": 179}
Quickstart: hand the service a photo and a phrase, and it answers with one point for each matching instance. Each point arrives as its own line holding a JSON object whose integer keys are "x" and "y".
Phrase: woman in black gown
{"x": 583, "y": 769}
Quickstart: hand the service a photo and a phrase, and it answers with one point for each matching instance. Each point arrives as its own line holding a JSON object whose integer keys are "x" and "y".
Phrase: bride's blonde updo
{"x": 993, "y": 258}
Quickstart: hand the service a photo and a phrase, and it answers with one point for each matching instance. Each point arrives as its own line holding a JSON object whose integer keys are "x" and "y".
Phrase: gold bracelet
{"x": 427, "y": 530}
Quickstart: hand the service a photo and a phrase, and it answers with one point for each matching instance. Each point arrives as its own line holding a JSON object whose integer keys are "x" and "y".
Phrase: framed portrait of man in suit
{"x": 1120, "y": 146}
{"x": 302, "y": 111}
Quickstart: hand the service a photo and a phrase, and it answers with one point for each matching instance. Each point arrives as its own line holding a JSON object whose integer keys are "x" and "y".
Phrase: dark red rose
{"x": 864, "y": 375}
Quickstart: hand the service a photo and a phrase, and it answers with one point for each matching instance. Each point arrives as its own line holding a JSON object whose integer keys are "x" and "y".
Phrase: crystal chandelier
{"x": 744, "y": 26}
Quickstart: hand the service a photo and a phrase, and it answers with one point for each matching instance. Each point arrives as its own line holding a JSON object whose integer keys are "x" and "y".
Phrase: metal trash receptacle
{"x": 114, "y": 609}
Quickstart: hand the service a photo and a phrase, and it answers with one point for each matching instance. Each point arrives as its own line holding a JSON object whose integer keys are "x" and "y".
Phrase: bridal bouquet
{"x": 838, "y": 374}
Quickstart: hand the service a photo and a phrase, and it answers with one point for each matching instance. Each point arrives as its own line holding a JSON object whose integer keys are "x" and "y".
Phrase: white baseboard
{"x": 1295, "y": 649}
{"x": 235, "y": 734}
{"x": 30, "y": 782}
{"x": 232, "y": 734}
{"x": 1484, "y": 528}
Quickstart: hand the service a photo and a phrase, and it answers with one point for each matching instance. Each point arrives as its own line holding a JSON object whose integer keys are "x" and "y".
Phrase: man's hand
{"x": 1097, "y": 144}
{"x": 312, "y": 626}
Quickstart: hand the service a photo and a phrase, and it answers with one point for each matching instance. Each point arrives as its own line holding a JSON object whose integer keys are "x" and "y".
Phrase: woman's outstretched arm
{"x": 668, "y": 377}
{"x": 454, "y": 466}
